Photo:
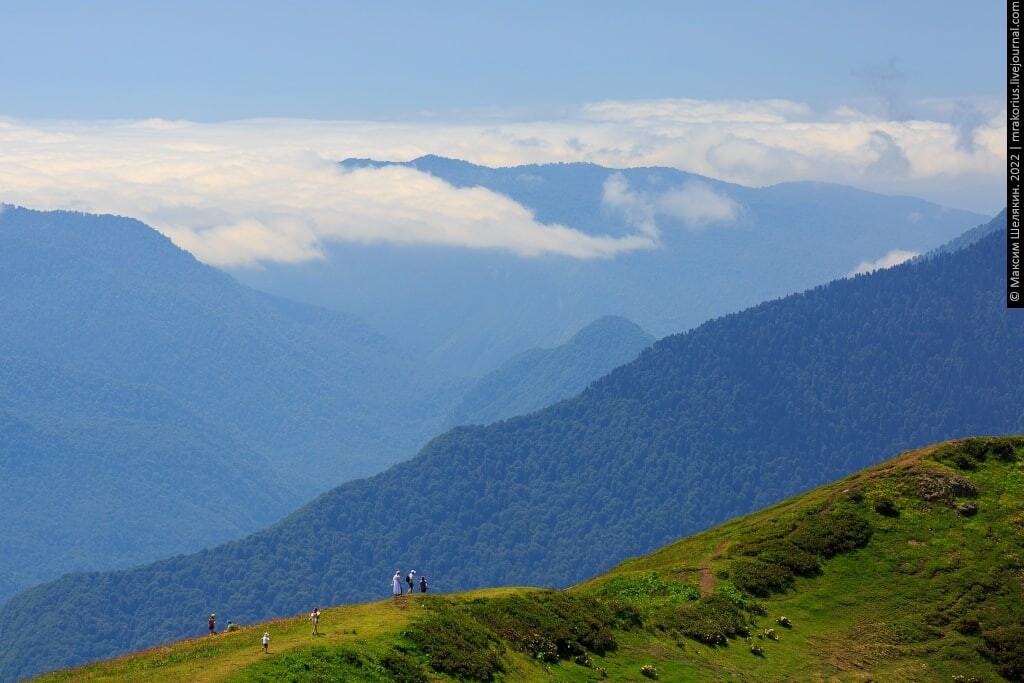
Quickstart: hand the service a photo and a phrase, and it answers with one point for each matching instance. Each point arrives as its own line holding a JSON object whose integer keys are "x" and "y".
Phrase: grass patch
{"x": 316, "y": 664}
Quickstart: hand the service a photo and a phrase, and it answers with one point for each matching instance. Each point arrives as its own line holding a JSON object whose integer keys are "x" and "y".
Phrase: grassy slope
{"x": 916, "y": 601}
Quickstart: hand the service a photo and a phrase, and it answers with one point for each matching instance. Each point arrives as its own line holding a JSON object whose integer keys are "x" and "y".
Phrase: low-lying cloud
{"x": 695, "y": 204}
{"x": 244, "y": 192}
{"x": 893, "y": 258}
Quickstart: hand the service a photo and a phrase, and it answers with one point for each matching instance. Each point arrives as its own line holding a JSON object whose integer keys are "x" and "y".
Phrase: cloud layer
{"x": 242, "y": 192}
{"x": 893, "y": 258}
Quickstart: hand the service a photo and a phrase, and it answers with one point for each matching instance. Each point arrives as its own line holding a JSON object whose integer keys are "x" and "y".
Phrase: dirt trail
{"x": 706, "y": 577}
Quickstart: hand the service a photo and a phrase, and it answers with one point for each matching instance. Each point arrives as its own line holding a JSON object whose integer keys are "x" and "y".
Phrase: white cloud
{"x": 695, "y": 204}
{"x": 893, "y": 258}
{"x": 245, "y": 191}
{"x": 698, "y": 205}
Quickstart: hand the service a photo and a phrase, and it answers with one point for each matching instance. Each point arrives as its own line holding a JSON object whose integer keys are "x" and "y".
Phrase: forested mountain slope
{"x": 150, "y": 404}
{"x": 704, "y": 426}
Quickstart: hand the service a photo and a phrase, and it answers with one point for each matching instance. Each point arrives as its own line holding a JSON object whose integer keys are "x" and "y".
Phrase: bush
{"x": 886, "y": 508}
{"x": 403, "y": 668}
{"x": 457, "y": 644}
{"x": 828, "y": 534}
{"x": 786, "y": 554}
{"x": 1003, "y": 647}
{"x": 1004, "y": 451}
{"x": 760, "y": 578}
{"x": 550, "y": 623}
{"x": 969, "y": 454}
{"x": 712, "y": 620}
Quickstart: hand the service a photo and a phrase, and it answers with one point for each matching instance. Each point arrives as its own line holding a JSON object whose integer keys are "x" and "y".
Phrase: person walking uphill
{"x": 396, "y": 583}
{"x": 212, "y": 623}
{"x": 411, "y": 579}
{"x": 266, "y": 640}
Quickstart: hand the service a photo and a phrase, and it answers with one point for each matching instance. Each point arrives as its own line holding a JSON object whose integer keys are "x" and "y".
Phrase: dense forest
{"x": 704, "y": 426}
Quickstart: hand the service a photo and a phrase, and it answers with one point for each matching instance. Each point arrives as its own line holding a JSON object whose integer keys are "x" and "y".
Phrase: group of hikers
{"x": 410, "y": 579}
{"x": 314, "y": 616}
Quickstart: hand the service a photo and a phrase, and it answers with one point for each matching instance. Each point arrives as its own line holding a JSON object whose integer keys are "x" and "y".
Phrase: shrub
{"x": 742, "y": 601}
{"x": 403, "y": 668}
{"x": 786, "y": 554}
{"x": 712, "y": 620}
{"x": 550, "y": 623}
{"x": 969, "y": 454}
{"x": 457, "y": 644}
{"x": 831, "y": 533}
{"x": 760, "y": 578}
{"x": 886, "y": 507}
{"x": 1002, "y": 646}
{"x": 1004, "y": 451}
{"x": 968, "y": 626}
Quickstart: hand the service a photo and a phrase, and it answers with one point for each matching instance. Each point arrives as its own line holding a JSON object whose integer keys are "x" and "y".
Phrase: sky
{"x": 221, "y": 123}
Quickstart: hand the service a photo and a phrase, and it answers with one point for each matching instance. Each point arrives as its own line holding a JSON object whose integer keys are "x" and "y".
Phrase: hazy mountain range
{"x": 151, "y": 405}
{"x": 720, "y": 247}
{"x": 727, "y": 418}
{"x": 161, "y": 407}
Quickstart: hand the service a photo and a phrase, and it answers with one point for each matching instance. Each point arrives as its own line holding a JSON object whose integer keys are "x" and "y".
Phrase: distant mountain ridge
{"x": 539, "y": 377}
{"x": 702, "y": 427}
{"x": 723, "y": 247}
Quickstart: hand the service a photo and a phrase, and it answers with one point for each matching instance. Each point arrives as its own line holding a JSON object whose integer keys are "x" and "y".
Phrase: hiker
{"x": 212, "y": 623}
{"x": 266, "y": 640}
{"x": 410, "y": 579}
{"x": 423, "y": 584}
{"x": 314, "y": 616}
{"x": 396, "y": 583}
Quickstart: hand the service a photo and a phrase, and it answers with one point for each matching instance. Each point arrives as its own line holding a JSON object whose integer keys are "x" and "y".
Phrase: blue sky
{"x": 218, "y": 122}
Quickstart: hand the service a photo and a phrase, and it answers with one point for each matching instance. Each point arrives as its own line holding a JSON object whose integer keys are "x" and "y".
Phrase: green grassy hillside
{"x": 912, "y": 570}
